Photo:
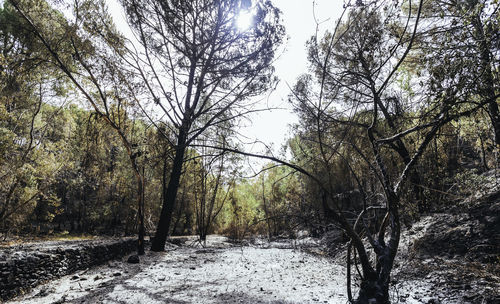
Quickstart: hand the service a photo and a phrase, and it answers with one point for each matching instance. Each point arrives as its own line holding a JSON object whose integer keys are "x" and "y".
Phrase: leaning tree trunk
{"x": 160, "y": 238}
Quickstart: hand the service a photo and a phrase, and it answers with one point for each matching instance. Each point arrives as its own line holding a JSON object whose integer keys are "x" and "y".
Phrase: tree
{"x": 87, "y": 50}
{"x": 277, "y": 190}
{"x": 29, "y": 160}
{"x": 199, "y": 69}
{"x": 96, "y": 186}
{"x": 354, "y": 111}
{"x": 211, "y": 192}
{"x": 459, "y": 47}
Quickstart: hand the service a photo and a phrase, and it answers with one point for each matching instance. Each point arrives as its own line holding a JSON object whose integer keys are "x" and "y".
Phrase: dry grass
{"x": 62, "y": 236}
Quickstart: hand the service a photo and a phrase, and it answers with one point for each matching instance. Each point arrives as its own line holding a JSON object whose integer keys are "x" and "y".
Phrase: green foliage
{"x": 66, "y": 168}
{"x": 243, "y": 215}
{"x": 469, "y": 182}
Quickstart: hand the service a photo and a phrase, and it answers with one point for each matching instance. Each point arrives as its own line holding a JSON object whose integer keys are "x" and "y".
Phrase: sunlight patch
{"x": 245, "y": 20}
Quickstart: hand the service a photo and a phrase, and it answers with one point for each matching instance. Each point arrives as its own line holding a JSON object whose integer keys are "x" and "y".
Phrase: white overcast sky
{"x": 300, "y": 19}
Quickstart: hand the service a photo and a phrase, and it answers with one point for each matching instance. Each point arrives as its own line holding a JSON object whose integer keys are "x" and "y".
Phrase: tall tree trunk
{"x": 140, "y": 242}
{"x": 171, "y": 194}
{"x": 268, "y": 217}
{"x": 140, "y": 190}
{"x": 487, "y": 90}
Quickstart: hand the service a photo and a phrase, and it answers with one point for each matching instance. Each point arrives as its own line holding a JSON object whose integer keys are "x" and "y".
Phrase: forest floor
{"x": 450, "y": 257}
{"x": 263, "y": 272}
{"x": 286, "y": 272}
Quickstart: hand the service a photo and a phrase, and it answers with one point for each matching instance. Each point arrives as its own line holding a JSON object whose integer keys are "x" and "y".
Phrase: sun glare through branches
{"x": 245, "y": 20}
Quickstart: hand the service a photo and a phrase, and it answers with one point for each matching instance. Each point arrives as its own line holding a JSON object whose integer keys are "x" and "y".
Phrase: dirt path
{"x": 189, "y": 275}
{"x": 207, "y": 275}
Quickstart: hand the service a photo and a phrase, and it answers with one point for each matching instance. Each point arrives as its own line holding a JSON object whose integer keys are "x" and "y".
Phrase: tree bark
{"x": 162, "y": 230}
{"x": 373, "y": 292}
{"x": 374, "y": 288}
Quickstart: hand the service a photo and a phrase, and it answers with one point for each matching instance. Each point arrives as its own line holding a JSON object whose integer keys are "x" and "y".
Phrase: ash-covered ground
{"x": 262, "y": 272}
{"x": 450, "y": 257}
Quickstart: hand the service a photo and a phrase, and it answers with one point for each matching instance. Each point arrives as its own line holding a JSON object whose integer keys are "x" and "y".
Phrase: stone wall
{"x": 22, "y": 268}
